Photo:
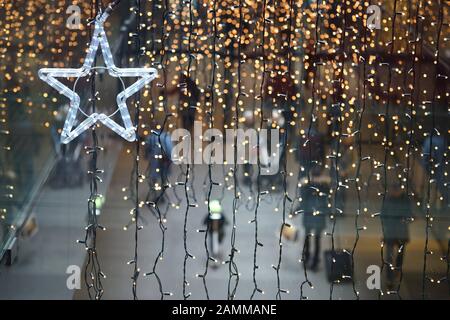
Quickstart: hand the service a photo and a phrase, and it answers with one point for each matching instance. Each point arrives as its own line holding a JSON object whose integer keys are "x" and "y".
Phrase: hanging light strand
{"x": 387, "y": 142}
{"x": 357, "y": 144}
{"x": 283, "y": 158}
{"x": 154, "y": 205}
{"x": 357, "y": 178}
{"x": 210, "y": 116}
{"x": 340, "y": 105}
{"x": 257, "y": 243}
{"x": 137, "y": 175}
{"x": 412, "y": 94}
{"x": 315, "y": 70}
{"x": 432, "y": 166}
{"x": 232, "y": 266}
{"x": 187, "y": 254}
{"x": 93, "y": 274}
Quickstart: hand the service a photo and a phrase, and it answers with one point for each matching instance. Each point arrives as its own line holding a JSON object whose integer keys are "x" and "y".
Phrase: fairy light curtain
{"x": 376, "y": 95}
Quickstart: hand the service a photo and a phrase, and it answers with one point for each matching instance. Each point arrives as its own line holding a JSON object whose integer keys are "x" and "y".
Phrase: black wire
{"x": 315, "y": 66}
{"x": 92, "y": 272}
{"x": 137, "y": 175}
{"x": 412, "y": 101}
{"x": 186, "y": 251}
{"x": 258, "y": 179}
{"x": 387, "y": 136}
{"x": 399, "y": 269}
{"x": 232, "y": 266}
{"x": 210, "y": 114}
{"x": 358, "y": 132}
{"x": 187, "y": 255}
{"x": 432, "y": 133}
{"x": 284, "y": 156}
{"x": 339, "y": 103}
{"x": 154, "y": 205}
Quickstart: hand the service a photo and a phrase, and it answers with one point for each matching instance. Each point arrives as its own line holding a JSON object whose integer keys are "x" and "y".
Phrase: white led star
{"x": 146, "y": 75}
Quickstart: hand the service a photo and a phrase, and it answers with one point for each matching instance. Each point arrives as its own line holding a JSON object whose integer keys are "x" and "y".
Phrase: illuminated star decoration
{"x": 146, "y": 75}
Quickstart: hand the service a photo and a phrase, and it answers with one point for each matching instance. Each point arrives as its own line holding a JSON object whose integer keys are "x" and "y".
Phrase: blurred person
{"x": 310, "y": 151}
{"x": 188, "y": 103}
{"x": 438, "y": 146}
{"x": 395, "y": 216}
{"x": 189, "y": 95}
{"x": 279, "y": 88}
{"x": 276, "y": 122}
{"x": 249, "y": 123}
{"x": 215, "y": 221}
{"x": 69, "y": 170}
{"x": 345, "y": 168}
{"x": 158, "y": 152}
{"x": 346, "y": 159}
{"x": 279, "y": 92}
{"x": 314, "y": 207}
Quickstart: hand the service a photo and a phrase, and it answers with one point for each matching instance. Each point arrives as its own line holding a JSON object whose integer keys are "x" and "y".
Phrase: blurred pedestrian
{"x": 395, "y": 217}
{"x": 314, "y": 206}
{"x": 310, "y": 151}
{"x": 158, "y": 152}
{"x": 189, "y": 96}
{"x": 433, "y": 150}
{"x": 215, "y": 221}
{"x": 249, "y": 123}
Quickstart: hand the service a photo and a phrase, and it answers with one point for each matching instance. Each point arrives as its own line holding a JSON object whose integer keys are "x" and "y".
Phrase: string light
{"x": 286, "y": 75}
{"x": 165, "y": 184}
{"x": 211, "y": 102}
{"x": 187, "y": 254}
{"x": 412, "y": 98}
{"x": 226, "y": 48}
{"x": 137, "y": 175}
{"x": 93, "y": 273}
{"x": 257, "y": 243}
{"x": 315, "y": 65}
{"x": 232, "y": 266}
{"x": 432, "y": 166}
{"x": 386, "y": 141}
